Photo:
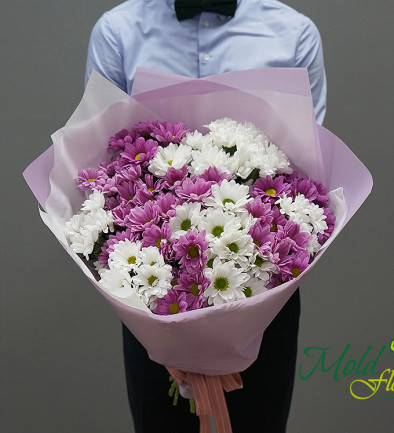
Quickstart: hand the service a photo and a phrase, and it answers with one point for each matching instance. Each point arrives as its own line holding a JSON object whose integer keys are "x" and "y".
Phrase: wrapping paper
{"x": 221, "y": 339}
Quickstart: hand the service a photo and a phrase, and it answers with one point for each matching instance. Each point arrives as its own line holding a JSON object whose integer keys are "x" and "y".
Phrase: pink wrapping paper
{"x": 221, "y": 339}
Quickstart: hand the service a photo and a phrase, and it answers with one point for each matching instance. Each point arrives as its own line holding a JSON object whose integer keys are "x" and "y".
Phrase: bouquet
{"x": 196, "y": 345}
{"x": 185, "y": 220}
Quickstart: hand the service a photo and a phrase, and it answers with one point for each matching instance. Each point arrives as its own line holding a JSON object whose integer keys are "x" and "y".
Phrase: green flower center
{"x": 248, "y": 292}
{"x": 295, "y": 272}
{"x": 273, "y": 227}
{"x": 194, "y": 289}
{"x": 217, "y": 231}
{"x": 131, "y": 260}
{"x": 221, "y": 284}
{"x": 174, "y": 282}
{"x": 186, "y": 224}
{"x": 152, "y": 279}
{"x": 270, "y": 191}
{"x": 228, "y": 200}
{"x": 174, "y": 308}
{"x": 169, "y": 162}
{"x": 193, "y": 252}
{"x": 233, "y": 247}
{"x": 138, "y": 156}
{"x": 92, "y": 179}
{"x": 210, "y": 263}
{"x": 158, "y": 242}
{"x": 256, "y": 243}
{"x": 130, "y": 198}
{"x": 259, "y": 261}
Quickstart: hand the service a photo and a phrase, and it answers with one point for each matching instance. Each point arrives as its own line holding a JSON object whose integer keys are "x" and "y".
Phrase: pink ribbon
{"x": 209, "y": 396}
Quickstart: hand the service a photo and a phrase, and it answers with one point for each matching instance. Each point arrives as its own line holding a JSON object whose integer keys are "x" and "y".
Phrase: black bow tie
{"x": 186, "y": 9}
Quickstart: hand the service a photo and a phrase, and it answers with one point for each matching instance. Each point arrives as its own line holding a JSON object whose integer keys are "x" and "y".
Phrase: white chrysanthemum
{"x": 153, "y": 280}
{"x": 261, "y": 268}
{"x": 188, "y": 217}
{"x": 74, "y": 226}
{"x": 226, "y": 283}
{"x": 235, "y": 246}
{"x": 313, "y": 245}
{"x": 116, "y": 282}
{"x": 95, "y": 201}
{"x": 210, "y": 156}
{"x": 98, "y": 266}
{"x": 308, "y": 215}
{"x": 254, "y": 287}
{"x": 223, "y": 132}
{"x": 83, "y": 242}
{"x": 173, "y": 155}
{"x": 218, "y": 222}
{"x": 230, "y": 196}
{"x": 126, "y": 255}
{"x": 196, "y": 140}
{"x": 99, "y": 219}
{"x": 245, "y": 157}
{"x": 272, "y": 161}
{"x": 151, "y": 256}
{"x": 247, "y": 221}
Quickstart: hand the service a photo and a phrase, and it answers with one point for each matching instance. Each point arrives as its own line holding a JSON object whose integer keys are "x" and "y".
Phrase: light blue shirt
{"x": 263, "y": 33}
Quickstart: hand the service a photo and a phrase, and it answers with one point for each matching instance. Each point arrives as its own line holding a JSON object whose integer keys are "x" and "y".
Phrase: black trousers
{"x": 262, "y": 406}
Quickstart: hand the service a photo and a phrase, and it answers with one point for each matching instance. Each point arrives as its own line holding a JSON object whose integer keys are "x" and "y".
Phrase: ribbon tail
{"x": 219, "y": 406}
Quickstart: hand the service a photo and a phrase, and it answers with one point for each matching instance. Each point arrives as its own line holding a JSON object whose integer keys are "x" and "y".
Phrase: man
{"x": 247, "y": 34}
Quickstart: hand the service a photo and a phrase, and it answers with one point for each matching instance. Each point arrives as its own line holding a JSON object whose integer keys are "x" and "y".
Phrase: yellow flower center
{"x": 138, "y": 156}
{"x": 194, "y": 289}
{"x": 92, "y": 179}
{"x": 131, "y": 260}
{"x": 273, "y": 227}
{"x": 221, "y": 284}
{"x": 270, "y": 191}
{"x": 152, "y": 279}
{"x": 248, "y": 292}
{"x": 295, "y": 272}
{"x": 193, "y": 252}
{"x": 174, "y": 308}
{"x": 158, "y": 242}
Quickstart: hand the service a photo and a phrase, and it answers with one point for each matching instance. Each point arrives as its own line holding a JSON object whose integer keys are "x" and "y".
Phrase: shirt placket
{"x": 206, "y": 26}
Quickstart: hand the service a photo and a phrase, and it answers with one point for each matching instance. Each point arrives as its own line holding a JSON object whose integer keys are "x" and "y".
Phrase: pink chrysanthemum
{"x": 167, "y": 202}
{"x": 174, "y": 177}
{"x": 292, "y": 230}
{"x": 193, "y": 284}
{"x": 190, "y": 250}
{"x": 92, "y": 178}
{"x": 158, "y": 237}
{"x": 270, "y": 189}
{"x": 174, "y": 302}
{"x": 121, "y": 213}
{"x": 166, "y": 132}
{"x": 278, "y": 219}
{"x": 330, "y": 221}
{"x": 143, "y": 129}
{"x": 211, "y": 174}
{"x": 119, "y": 141}
{"x": 260, "y": 210}
{"x": 262, "y": 237}
{"x": 297, "y": 263}
{"x": 194, "y": 190}
{"x": 140, "y": 152}
{"x": 127, "y": 190}
{"x": 305, "y": 186}
{"x": 142, "y": 217}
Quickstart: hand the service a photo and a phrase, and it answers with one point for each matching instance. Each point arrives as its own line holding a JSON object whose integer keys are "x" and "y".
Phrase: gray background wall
{"x": 61, "y": 362}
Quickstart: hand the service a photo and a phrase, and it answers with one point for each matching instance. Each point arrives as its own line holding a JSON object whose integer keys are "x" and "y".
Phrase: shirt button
{"x": 207, "y": 23}
{"x": 206, "y": 57}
